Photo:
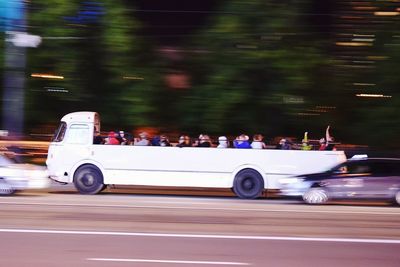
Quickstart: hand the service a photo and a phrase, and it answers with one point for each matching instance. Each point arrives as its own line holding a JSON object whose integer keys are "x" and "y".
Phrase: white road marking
{"x": 170, "y": 261}
{"x": 395, "y": 211}
{"x": 205, "y": 236}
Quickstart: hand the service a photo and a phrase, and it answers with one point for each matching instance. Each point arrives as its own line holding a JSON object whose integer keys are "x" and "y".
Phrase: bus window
{"x": 78, "y": 134}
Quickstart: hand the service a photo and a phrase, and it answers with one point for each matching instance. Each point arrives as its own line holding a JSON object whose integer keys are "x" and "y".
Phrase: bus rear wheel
{"x": 88, "y": 180}
{"x": 248, "y": 184}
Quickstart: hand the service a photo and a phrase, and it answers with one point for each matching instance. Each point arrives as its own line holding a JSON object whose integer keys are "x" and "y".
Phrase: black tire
{"x": 88, "y": 180}
{"x": 248, "y": 184}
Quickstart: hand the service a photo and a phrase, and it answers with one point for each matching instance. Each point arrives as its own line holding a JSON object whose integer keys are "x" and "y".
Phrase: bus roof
{"x": 81, "y": 116}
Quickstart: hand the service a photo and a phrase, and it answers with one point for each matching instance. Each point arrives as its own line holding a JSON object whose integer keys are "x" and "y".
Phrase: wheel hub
{"x": 248, "y": 184}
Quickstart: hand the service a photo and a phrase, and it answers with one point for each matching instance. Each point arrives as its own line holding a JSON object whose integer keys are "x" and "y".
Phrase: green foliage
{"x": 254, "y": 66}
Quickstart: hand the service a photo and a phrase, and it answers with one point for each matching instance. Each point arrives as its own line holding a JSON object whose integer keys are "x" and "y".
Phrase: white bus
{"x": 73, "y": 158}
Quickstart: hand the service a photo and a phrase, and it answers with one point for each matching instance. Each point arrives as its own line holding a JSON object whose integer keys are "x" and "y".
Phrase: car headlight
{"x": 291, "y": 180}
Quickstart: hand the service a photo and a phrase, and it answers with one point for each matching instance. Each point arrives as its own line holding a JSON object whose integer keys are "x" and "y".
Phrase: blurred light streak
{"x": 356, "y": 66}
{"x": 318, "y": 110}
{"x": 46, "y": 76}
{"x": 247, "y": 46}
{"x": 366, "y": 8}
{"x": 374, "y": 95}
{"x": 377, "y": 57}
{"x": 386, "y": 13}
{"x": 363, "y": 61}
{"x": 364, "y": 84}
{"x": 307, "y": 114}
{"x": 350, "y": 17}
{"x": 56, "y": 89}
{"x": 364, "y": 35}
{"x": 353, "y": 44}
{"x": 132, "y": 78}
{"x": 363, "y": 40}
{"x": 64, "y": 38}
{"x": 325, "y": 107}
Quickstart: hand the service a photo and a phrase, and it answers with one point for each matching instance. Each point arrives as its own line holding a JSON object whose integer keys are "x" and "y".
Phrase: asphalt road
{"x": 134, "y": 228}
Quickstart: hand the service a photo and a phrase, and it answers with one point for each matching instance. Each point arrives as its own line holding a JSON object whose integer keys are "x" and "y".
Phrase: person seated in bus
{"x": 258, "y": 142}
{"x": 322, "y": 144}
{"x": 329, "y": 140}
{"x": 304, "y": 143}
{"x": 155, "y": 141}
{"x": 97, "y": 139}
{"x": 184, "y": 141}
{"x": 111, "y": 139}
{"x": 284, "y": 144}
{"x": 223, "y": 142}
{"x": 164, "y": 141}
{"x": 142, "y": 140}
{"x": 122, "y": 138}
{"x": 242, "y": 141}
{"x": 160, "y": 141}
{"x": 204, "y": 141}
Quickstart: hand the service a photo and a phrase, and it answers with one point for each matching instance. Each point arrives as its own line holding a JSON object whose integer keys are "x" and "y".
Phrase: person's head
{"x": 184, "y": 139}
{"x": 322, "y": 141}
{"x": 111, "y": 134}
{"x": 242, "y": 137}
{"x": 143, "y": 135}
{"x": 223, "y": 141}
{"x": 258, "y": 137}
{"x": 204, "y": 138}
{"x": 96, "y": 131}
{"x": 282, "y": 141}
{"x": 121, "y": 133}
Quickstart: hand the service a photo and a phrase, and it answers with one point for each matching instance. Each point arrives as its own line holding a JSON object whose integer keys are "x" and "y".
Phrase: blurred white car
{"x": 19, "y": 176}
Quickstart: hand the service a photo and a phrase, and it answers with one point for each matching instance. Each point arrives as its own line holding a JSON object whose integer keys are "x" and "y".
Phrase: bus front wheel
{"x": 248, "y": 184}
{"x": 88, "y": 180}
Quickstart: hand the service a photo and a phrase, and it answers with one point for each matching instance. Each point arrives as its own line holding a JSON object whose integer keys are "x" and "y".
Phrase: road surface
{"x": 63, "y": 228}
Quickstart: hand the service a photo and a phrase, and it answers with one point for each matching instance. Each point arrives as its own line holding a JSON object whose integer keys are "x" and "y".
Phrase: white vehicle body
{"x": 18, "y": 176}
{"x": 73, "y": 150}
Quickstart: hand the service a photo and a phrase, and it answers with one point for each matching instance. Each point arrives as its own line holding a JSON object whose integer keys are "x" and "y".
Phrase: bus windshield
{"x": 60, "y": 132}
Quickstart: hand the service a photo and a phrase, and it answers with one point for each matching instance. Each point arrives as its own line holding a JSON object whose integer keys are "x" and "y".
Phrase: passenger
{"x": 184, "y": 141}
{"x": 223, "y": 142}
{"x": 284, "y": 144}
{"x": 322, "y": 144}
{"x": 122, "y": 138}
{"x": 111, "y": 139}
{"x": 305, "y": 145}
{"x": 197, "y": 141}
{"x": 204, "y": 141}
{"x": 329, "y": 140}
{"x": 164, "y": 141}
{"x": 258, "y": 142}
{"x": 97, "y": 139}
{"x": 242, "y": 141}
{"x": 155, "y": 141}
{"x": 142, "y": 140}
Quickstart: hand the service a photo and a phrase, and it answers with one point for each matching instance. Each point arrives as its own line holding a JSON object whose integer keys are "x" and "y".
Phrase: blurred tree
{"x": 93, "y": 45}
{"x": 378, "y": 121}
{"x": 256, "y": 72}
{"x": 252, "y": 66}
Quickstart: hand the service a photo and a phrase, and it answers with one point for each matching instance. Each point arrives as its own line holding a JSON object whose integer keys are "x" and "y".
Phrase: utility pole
{"x": 13, "y": 13}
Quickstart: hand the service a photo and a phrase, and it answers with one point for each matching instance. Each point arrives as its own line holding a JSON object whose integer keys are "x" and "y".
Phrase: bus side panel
{"x": 204, "y": 167}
